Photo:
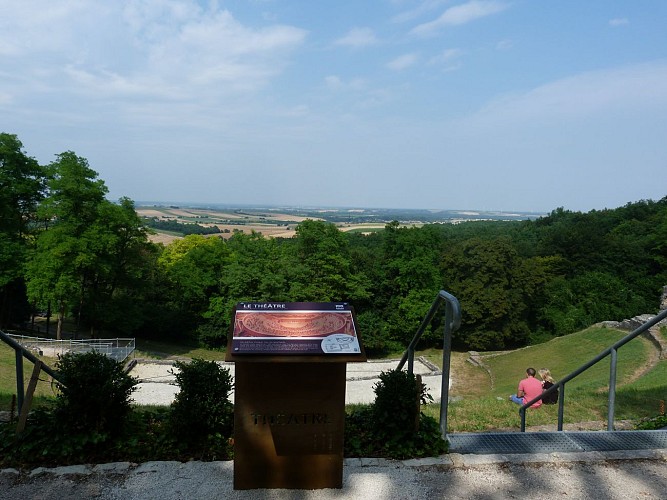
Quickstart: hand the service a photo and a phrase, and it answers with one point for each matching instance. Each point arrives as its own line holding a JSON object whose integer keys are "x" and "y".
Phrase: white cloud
{"x": 421, "y": 9}
{"x": 403, "y": 62}
{"x": 627, "y": 89}
{"x": 206, "y": 48}
{"x": 446, "y": 56}
{"x": 619, "y": 21}
{"x": 334, "y": 82}
{"x": 166, "y": 49}
{"x": 504, "y": 45}
{"x": 358, "y": 37}
{"x": 460, "y": 14}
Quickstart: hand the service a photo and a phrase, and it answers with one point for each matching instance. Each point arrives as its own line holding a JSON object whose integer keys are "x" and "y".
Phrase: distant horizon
{"x": 200, "y": 204}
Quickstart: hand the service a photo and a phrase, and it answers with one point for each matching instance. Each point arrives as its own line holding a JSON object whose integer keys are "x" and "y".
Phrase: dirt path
{"x": 654, "y": 358}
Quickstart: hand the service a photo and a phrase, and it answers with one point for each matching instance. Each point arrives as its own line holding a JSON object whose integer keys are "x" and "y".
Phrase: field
{"x": 282, "y": 222}
{"x": 271, "y": 224}
{"x": 267, "y": 223}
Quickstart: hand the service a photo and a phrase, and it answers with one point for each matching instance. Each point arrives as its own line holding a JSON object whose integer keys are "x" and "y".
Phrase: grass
{"x": 586, "y": 396}
{"x": 44, "y": 390}
{"x": 156, "y": 349}
{"x": 480, "y": 399}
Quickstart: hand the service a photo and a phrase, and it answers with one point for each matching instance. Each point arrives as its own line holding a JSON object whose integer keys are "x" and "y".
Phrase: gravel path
{"x": 614, "y": 476}
{"x": 156, "y": 380}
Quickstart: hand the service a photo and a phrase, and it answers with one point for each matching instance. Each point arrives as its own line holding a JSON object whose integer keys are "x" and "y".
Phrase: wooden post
{"x": 27, "y": 402}
{"x": 418, "y": 382}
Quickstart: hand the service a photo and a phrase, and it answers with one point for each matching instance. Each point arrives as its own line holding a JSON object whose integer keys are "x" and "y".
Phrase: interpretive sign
{"x": 289, "y": 392}
{"x": 287, "y": 328}
{"x": 289, "y": 421}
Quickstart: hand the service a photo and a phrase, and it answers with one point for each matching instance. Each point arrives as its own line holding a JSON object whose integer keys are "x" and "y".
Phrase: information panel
{"x": 285, "y": 328}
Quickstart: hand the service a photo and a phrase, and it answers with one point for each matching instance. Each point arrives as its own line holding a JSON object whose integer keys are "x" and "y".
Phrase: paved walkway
{"x": 609, "y": 475}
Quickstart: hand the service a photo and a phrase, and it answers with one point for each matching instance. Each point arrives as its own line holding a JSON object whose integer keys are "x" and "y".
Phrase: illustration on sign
{"x": 294, "y": 328}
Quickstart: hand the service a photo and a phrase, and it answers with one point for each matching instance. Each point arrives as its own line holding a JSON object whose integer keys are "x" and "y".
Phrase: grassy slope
{"x": 586, "y": 396}
{"x": 8, "y": 377}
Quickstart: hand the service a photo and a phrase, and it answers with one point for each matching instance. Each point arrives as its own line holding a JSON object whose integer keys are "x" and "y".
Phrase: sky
{"x": 510, "y": 105}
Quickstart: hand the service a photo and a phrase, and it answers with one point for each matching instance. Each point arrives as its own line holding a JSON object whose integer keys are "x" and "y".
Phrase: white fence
{"x": 118, "y": 349}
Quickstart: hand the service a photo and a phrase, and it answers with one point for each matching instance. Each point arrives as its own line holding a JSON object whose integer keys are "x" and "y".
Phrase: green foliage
{"x": 490, "y": 282}
{"x": 90, "y": 258}
{"x": 202, "y": 417}
{"x": 398, "y": 396}
{"x": 321, "y": 269}
{"x": 90, "y": 415}
{"x": 375, "y": 339}
{"x": 22, "y": 185}
{"x": 178, "y": 227}
{"x": 653, "y": 423}
{"x": 393, "y": 426}
{"x": 63, "y": 244}
{"x": 147, "y": 436}
{"x": 94, "y": 394}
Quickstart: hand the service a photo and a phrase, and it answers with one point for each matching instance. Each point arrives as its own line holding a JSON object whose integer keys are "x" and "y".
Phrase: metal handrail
{"x": 610, "y": 351}
{"x": 105, "y": 346}
{"x": 21, "y": 352}
{"x": 452, "y": 323}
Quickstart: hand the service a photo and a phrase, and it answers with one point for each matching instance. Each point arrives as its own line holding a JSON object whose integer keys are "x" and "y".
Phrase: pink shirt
{"x": 531, "y": 388}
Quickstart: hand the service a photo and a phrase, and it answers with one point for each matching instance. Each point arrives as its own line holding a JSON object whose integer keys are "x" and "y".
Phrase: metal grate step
{"x": 549, "y": 442}
{"x": 621, "y": 440}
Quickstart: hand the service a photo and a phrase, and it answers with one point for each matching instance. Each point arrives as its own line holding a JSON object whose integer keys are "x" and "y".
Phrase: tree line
{"x": 65, "y": 248}
{"x": 180, "y": 228}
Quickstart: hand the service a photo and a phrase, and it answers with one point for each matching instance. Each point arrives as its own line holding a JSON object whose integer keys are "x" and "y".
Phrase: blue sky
{"x": 515, "y": 105}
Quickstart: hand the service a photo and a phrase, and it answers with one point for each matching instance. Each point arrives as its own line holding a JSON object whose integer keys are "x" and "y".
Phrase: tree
{"x": 411, "y": 279}
{"x": 255, "y": 271}
{"x": 57, "y": 272}
{"x": 493, "y": 286}
{"x": 90, "y": 257}
{"x": 118, "y": 244}
{"x": 193, "y": 267}
{"x": 22, "y": 186}
{"x": 321, "y": 269}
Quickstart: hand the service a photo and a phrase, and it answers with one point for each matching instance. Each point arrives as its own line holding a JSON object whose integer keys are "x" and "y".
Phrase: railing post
{"x": 612, "y": 389}
{"x": 19, "y": 379}
{"x": 561, "y": 407}
{"x": 446, "y": 365}
{"x": 522, "y": 414}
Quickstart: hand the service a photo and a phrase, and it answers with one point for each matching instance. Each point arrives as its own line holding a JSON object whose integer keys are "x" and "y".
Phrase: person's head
{"x": 545, "y": 374}
{"x": 530, "y": 372}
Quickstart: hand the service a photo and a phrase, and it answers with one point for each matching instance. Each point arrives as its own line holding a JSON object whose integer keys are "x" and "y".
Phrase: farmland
{"x": 281, "y": 222}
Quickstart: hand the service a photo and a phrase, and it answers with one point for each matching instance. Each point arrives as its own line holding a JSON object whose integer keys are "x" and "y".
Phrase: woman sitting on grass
{"x": 547, "y": 382}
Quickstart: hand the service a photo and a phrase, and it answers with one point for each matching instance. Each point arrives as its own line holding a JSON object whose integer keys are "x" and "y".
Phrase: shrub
{"x": 94, "y": 393}
{"x": 393, "y": 426}
{"x": 86, "y": 420}
{"x": 202, "y": 416}
{"x": 398, "y": 396}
